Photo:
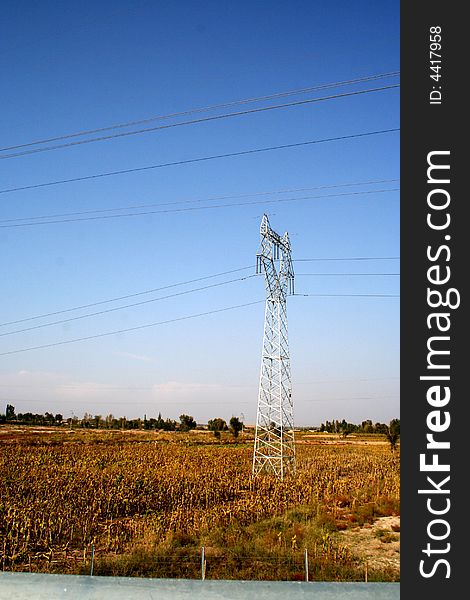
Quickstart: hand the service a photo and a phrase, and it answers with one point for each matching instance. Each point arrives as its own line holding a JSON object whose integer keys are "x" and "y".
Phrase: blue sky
{"x": 73, "y": 67}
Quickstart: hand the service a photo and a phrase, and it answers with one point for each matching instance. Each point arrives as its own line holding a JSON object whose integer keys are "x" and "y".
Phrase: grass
{"x": 270, "y": 549}
{"x": 385, "y": 536}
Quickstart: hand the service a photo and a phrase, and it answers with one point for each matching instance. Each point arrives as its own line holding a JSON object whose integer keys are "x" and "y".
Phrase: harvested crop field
{"x": 146, "y": 503}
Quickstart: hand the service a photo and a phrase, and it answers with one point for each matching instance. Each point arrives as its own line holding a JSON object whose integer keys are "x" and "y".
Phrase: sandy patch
{"x": 378, "y": 545}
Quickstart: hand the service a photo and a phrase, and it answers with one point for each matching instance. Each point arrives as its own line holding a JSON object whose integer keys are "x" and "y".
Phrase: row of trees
{"x": 30, "y": 418}
{"x": 391, "y": 431}
{"x": 186, "y": 422}
{"x": 344, "y": 428}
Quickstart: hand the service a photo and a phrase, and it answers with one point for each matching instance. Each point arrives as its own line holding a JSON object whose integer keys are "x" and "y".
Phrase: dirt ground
{"x": 377, "y": 545}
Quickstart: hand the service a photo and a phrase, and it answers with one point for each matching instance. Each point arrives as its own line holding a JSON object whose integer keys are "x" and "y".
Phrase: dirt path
{"x": 378, "y": 545}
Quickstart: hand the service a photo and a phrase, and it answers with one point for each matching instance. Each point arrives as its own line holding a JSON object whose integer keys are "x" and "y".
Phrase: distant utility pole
{"x": 274, "y": 450}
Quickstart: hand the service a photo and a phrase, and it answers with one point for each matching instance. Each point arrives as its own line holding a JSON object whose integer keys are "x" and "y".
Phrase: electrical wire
{"x": 203, "y": 109}
{"x": 135, "y": 294}
{"x": 118, "y": 298}
{"x": 197, "y": 200}
{"x": 198, "y": 208}
{"x": 199, "y": 159}
{"x": 129, "y": 329}
{"x": 345, "y": 274}
{"x": 347, "y": 258}
{"x": 109, "y": 310}
{"x": 350, "y": 295}
{"x": 178, "y": 319}
{"x": 197, "y": 121}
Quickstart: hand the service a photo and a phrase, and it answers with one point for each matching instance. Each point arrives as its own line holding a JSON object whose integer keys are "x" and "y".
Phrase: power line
{"x": 197, "y": 200}
{"x": 198, "y": 208}
{"x": 147, "y": 325}
{"x": 199, "y": 159}
{"x": 173, "y": 285}
{"x": 100, "y": 302}
{"x": 197, "y": 121}
{"x": 203, "y": 109}
{"x": 187, "y": 317}
{"x": 346, "y": 274}
{"x": 350, "y": 295}
{"x": 109, "y": 310}
{"x": 347, "y": 258}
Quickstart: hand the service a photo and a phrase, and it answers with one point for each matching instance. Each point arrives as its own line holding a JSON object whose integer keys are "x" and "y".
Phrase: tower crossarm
{"x": 273, "y": 248}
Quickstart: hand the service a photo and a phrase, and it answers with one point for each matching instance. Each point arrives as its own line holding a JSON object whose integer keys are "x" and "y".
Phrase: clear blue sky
{"x": 68, "y": 67}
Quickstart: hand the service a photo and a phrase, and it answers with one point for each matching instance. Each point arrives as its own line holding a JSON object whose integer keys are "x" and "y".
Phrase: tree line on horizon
{"x": 391, "y": 431}
{"x": 344, "y": 428}
{"x": 185, "y": 423}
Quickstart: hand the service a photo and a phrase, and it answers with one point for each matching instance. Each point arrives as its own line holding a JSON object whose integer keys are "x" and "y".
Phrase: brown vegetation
{"x": 148, "y": 502}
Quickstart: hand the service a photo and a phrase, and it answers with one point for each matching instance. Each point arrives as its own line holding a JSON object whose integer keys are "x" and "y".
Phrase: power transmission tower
{"x": 274, "y": 450}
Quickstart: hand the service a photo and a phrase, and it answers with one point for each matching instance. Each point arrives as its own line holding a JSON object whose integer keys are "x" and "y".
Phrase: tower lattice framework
{"x": 274, "y": 450}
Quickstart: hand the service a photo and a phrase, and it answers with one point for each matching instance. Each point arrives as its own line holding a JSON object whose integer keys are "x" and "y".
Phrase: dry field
{"x": 145, "y": 504}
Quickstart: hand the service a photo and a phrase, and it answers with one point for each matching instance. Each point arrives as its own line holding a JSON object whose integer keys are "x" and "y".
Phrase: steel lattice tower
{"x": 274, "y": 450}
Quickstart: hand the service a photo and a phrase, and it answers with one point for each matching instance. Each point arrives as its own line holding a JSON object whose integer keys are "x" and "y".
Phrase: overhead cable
{"x": 129, "y": 329}
{"x": 134, "y": 304}
{"x": 346, "y": 258}
{"x": 199, "y": 208}
{"x": 198, "y": 200}
{"x": 178, "y": 319}
{"x": 185, "y": 292}
{"x": 199, "y": 159}
{"x": 203, "y": 109}
{"x": 135, "y": 294}
{"x": 346, "y": 274}
{"x": 197, "y": 121}
{"x": 118, "y": 298}
{"x": 350, "y": 295}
